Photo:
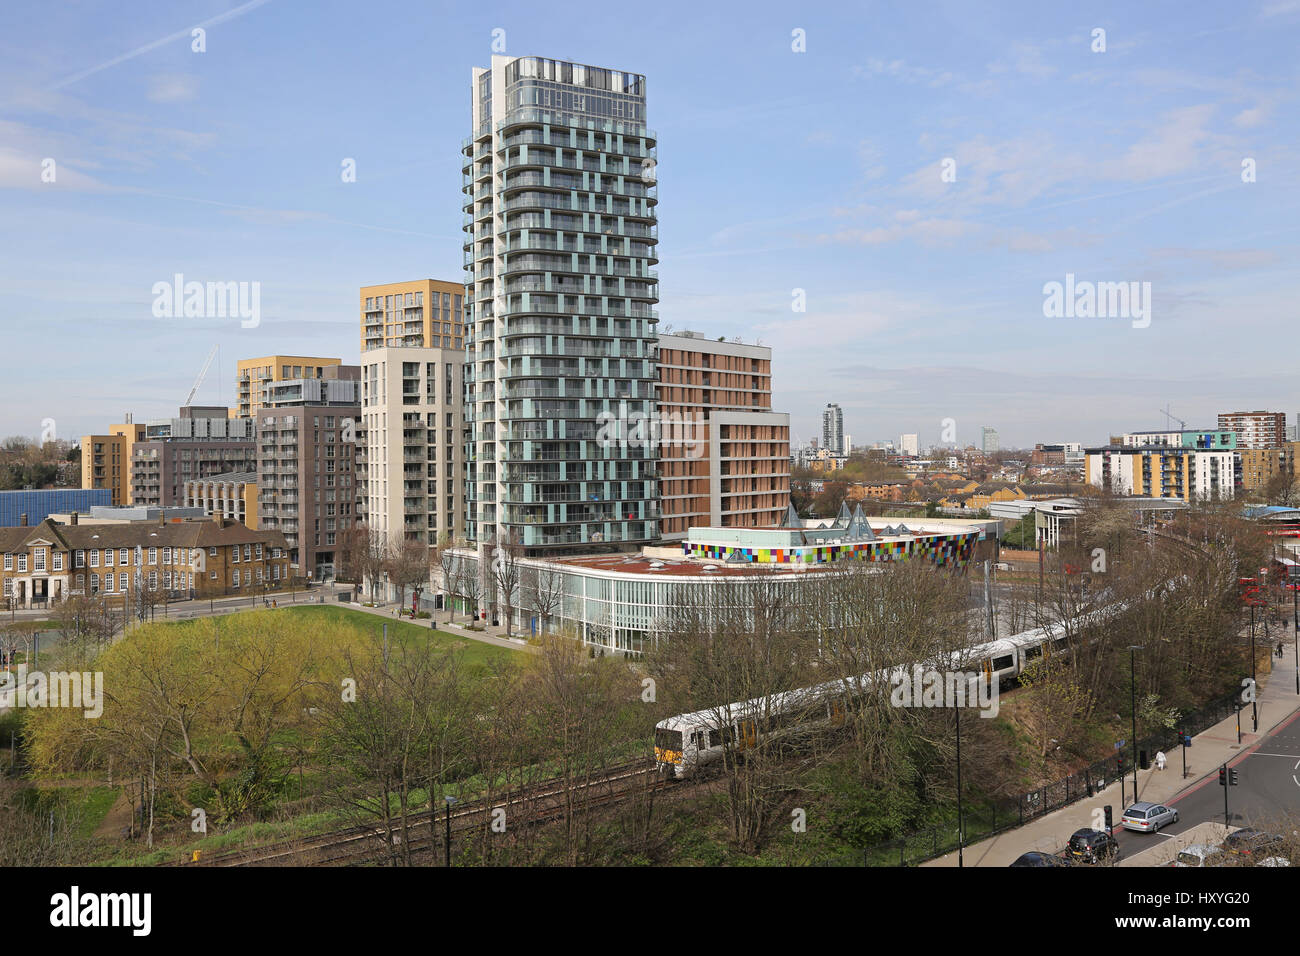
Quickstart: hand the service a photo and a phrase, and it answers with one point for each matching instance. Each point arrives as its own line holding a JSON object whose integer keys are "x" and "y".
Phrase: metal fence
{"x": 990, "y": 819}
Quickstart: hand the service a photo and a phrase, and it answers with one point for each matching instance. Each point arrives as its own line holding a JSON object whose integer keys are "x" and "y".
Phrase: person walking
{"x": 1160, "y": 760}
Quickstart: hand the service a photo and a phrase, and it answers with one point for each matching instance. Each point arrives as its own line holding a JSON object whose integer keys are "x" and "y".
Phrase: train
{"x": 685, "y": 744}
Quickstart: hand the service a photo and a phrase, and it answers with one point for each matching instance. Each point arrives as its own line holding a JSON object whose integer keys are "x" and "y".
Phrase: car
{"x": 1144, "y": 817}
{"x": 1200, "y": 854}
{"x": 1092, "y": 846}
{"x": 1035, "y": 858}
{"x": 1252, "y": 842}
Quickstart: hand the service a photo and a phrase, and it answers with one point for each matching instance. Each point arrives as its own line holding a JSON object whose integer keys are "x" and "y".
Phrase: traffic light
{"x": 1185, "y": 740}
{"x": 1109, "y": 821}
{"x": 1223, "y": 776}
{"x": 1232, "y": 778}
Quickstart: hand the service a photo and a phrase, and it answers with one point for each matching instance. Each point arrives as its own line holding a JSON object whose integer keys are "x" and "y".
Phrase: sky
{"x": 914, "y": 175}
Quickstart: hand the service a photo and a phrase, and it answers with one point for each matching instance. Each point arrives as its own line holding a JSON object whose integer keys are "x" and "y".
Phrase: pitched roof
{"x": 179, "y": 534}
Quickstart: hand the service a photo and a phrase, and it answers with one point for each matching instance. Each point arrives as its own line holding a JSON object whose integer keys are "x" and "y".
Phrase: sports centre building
{"x": 619, "y": 602}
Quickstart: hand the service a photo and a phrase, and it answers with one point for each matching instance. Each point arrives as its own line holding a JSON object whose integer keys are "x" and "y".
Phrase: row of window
{"x": 411, "y": 299}
{"x": 122, "y": 556}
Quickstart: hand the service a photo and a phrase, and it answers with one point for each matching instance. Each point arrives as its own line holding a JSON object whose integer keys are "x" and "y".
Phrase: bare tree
{"x": 366, "y": 554}
{"x": 505, "y": 568}
{"x": 543, "y": 589}
{"x": 407, "y": 566}
{"x": 447, "y": 564}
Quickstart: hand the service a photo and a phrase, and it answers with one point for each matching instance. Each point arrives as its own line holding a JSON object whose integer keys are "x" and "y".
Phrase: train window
{"x": 1034, "y": 653}
{"x": 1001, "y": 663}
{"x": 668, "y": 739}
{"x": 715, "y": 738}
{"x": 1061, "y": 644}
{"x": 697, "y": 740}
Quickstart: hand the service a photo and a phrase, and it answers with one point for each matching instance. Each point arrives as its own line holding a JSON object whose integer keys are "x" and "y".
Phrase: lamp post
{"x": 1132, "y": 689}
{"x": 450, "y": 801}
{"x": 1254, "y": 683}
{"x": 956, "y": 709}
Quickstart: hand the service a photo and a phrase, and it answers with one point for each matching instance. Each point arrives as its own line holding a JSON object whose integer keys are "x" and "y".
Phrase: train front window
{"x": 668, "y": 739}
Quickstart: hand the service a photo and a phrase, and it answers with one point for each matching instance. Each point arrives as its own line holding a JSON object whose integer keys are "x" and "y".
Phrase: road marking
{"x": 1288, "y": 756}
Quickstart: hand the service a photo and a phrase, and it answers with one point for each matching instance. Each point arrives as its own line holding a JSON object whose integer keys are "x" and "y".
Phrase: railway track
{"x": 540, "y": 803}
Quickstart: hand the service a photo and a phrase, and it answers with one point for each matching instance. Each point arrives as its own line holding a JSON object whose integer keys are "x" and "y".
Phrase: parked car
{"x": 1250, "y": 842}
{"x": 1040, "y": 859}
{"x": 1200, "y": 854}
{"x": 1144, "y": 817}
{"x": 1092, "y": 846}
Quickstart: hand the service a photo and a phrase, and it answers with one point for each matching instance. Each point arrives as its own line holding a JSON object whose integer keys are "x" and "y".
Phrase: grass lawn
{"x": 476, "y": 653}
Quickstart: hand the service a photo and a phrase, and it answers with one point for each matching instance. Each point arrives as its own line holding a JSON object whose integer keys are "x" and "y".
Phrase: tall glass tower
{"x": 560, "y": 237}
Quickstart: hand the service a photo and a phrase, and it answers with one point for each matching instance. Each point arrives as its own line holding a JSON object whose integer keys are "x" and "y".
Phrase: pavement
{"x": 1278, "y": 704}
{"x": 490, "y": 634}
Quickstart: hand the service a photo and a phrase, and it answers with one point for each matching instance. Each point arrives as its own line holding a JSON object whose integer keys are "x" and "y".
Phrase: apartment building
{"x": 47, "y": 563}
{"x": 560, "y": 240}
{"x": 232, "y": 495}
{"x": 252, "y": 375}
{"x": 426, "y": 314}
{"x": 1208, "y": 439}
{"x": 833, "y": 429}
{"x": 201, "y": 442}
{"x": 413, "y": 423}
{"x": 724, "y": 455}
{"x": 1162, "y": 471}
{"x": 989, "y": 442}
{"x": 106, "y": 460}
{"x": 306, "y": 465}
{"x": 1256, "y": 429}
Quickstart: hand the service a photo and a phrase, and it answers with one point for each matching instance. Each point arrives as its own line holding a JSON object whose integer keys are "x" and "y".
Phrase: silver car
{"x": 1146, "y": 817}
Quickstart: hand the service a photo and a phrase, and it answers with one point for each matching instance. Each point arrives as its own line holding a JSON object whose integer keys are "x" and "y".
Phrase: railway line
{"x": 542, "y": 802}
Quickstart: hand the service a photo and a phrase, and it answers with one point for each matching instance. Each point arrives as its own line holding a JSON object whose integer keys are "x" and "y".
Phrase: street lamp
{"x": 450, "y": 801}
{"x": 1254, "y": 682}
{"x": 956, "y": 709}
{"x": 1132, "y": 690}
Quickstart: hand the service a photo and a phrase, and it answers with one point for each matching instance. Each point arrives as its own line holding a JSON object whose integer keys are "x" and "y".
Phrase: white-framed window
{"x": 259, "y": 552}
{"x": 123, "y": 557}
{"x": 79, "y": 559}
{"x": 22, "y": 561}
{"x": 167, "y": 580}
{"x": 109, "y": 557}
{"x": 248, "y": 552}
{"x": 167, "y": 555}
{"x": 94, "y": 557}
{"x": 38, "y": 559}
{"x": 123, "y": 581}
{"x": 94, "y": 584}
{"x": 9, "y": 561}
{"x": 153, "y": 555}
{"x": 153, "y": 579}
{"x": 248, "y": 576}
{"x": 58, "y": 560}
{"x": 81, "y": 582}
{"x": 259, "y": 575}
{"x": 275, "y": 572}
{"x": 212, "y": 576}
{"x": 234, "y": 579}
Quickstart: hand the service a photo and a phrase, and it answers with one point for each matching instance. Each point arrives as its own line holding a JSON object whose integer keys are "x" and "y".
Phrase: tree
{"x": 407, "y": 565}
{"x": 447, "y": 564}
{"x": 505, "y": 556}
{"x": 366, "y": 554}
{"x": 544, "y": 591}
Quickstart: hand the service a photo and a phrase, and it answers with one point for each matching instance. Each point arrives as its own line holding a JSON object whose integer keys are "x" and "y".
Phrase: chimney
{"x": 72, "y": 519}
{"x": 162, "y": 519}
{"x": 22, "y": 520}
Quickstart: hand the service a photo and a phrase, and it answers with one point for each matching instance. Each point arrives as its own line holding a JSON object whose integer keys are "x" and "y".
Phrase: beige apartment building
{"x": 425, "y": 313}
{"x": 252, "y": 376}
{"x": 412, "y": 419}
{"x": 106, "y": 460}
{"x": 724, "y": 455}
{"x": 1258, "y": 429}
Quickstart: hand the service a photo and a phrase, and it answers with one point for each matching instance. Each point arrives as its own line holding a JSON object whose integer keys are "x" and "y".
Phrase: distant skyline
{"x": 820, "y": 176}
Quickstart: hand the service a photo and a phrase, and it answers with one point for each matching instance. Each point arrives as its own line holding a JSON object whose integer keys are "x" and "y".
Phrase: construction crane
{"x": 1173, "y": 418}
{"x": 199, "y": 381}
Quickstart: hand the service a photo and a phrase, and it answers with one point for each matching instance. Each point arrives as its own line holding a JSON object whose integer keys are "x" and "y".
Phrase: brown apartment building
{"x": 48, "y": 562}
{"x": 425, "y": 313}
{"x": 724, "y": 454}
{"x": 106, "y": 460}
{"x": 1256, "y": 429}
{"x": 201, "y": 442}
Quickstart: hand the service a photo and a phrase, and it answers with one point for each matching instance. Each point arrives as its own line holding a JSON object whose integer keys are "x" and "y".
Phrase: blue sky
{"x": 778, "y": 170}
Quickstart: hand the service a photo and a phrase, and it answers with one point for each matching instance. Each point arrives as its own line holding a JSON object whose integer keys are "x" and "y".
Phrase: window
{"x": 248, "y": 552}
{"x": 122, "y": 557}
{"x": 94, "y": 557}
{"x": 153, "y": 555}
{"x": 212, "y": 575}
{"x": 109, "y": 556}
{"x": 9, "y": 561}
{"x": 94, "y": 584}
{"x": 81, "y": 582}
{"x": 167, "y": 555}
{"x": 234, "y": 553}
{"x": 22, "y": 562}
{"x": 58, "y": 560}
{"x": 79, "y": 558}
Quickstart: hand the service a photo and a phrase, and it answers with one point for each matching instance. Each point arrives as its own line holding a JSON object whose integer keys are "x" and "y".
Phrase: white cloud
{"x": 173, "y": 88}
